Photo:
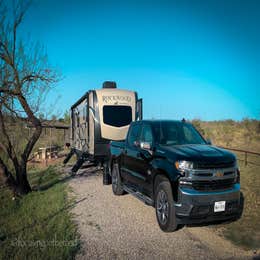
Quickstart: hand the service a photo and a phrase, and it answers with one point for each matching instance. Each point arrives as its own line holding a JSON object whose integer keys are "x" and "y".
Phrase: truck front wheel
{"x": 117, "y": 185}
{"x": 164, "y": 205}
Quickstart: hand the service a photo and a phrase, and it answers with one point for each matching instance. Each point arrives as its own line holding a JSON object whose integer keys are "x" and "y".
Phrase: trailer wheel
{"x": 117, "y": 185}
{"x": 164, "y": 205}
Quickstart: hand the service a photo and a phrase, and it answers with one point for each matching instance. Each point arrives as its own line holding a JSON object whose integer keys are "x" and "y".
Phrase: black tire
{"x": 106, "y": 176}
{"x": 117, "y": 185}
{"x": 164, "y": 205}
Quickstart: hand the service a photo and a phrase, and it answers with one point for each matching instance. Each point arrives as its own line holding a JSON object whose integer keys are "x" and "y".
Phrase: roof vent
{"x": 109, "y": 84}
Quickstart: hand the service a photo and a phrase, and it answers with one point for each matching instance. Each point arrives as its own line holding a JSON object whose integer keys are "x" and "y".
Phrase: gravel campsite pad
{"x": 122, "y": 227}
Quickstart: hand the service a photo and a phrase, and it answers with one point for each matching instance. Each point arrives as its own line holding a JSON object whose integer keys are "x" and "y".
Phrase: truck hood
{"x": 198, "y": 152}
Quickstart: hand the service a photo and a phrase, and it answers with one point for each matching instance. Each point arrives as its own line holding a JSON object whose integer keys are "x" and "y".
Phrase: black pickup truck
{"x": 169, "y": 165}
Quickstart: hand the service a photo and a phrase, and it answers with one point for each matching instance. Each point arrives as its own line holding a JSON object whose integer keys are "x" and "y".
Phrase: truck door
{"x": 139, "y": 109}
{"x": 143, "y": 160}
{"x": 129, "y": 165}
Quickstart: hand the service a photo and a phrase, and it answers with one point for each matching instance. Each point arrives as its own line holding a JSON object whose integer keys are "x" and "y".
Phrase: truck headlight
{"x": 183, "y": 165}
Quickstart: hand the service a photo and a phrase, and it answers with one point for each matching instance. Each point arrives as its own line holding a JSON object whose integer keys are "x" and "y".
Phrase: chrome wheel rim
{"x": 162, "y": 207}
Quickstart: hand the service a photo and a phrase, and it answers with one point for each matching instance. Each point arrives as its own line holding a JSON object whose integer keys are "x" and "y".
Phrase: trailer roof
{"x": 80, "y": 100}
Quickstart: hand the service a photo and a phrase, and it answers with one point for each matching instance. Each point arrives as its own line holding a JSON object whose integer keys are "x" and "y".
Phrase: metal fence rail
{"x": 245, "y": 156}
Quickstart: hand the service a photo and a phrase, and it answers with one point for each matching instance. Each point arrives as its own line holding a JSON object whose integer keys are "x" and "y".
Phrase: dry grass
{"x": 246, "y": 231}
{"x": 243, "y": 135}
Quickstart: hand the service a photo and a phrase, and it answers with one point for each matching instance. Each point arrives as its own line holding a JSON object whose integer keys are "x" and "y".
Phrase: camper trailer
{"x": 98, "y": 117}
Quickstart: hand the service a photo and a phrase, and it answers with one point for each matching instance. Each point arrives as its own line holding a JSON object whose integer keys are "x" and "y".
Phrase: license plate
{"x": 219, "y": 206}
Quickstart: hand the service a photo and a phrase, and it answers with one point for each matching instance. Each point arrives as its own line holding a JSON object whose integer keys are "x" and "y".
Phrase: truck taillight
{"x": 238, "y": 176}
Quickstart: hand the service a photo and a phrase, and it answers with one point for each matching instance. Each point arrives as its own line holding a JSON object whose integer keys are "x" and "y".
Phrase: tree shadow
{"x": 85, "y": 171}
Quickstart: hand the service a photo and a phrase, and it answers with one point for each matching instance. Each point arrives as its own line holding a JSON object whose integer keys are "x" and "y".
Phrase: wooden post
{"x": 245, "y": 158}
{"x": 50, "y": 141}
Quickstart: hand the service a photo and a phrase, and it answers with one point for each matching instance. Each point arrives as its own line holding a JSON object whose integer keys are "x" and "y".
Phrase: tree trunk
{"x": 7, "y": 177}
{"x": 20, "y": 186}
{"x": 23, "y": 187}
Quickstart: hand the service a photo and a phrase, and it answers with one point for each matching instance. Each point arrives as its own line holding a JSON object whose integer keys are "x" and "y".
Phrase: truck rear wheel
{"x": 106, "y": 175}
{"x": 164, "y": 205}
{"x": 117, "y": 185}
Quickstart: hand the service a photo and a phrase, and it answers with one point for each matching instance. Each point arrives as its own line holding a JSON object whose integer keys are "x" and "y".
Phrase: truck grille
{"x": 213, "y": 184}
{"x": 215, "y": 165}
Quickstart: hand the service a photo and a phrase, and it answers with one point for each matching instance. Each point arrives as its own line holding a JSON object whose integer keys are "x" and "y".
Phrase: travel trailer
{"x": 98, "y": 117}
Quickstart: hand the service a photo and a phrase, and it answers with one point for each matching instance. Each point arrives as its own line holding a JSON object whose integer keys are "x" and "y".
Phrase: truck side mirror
{"x": 136, "y": 144}
{"x": 145, "y": 146}
{"x": 147, "y": 153}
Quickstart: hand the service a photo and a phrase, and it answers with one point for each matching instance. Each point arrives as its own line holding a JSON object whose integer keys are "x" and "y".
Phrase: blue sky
{"x": 192, "y": 59}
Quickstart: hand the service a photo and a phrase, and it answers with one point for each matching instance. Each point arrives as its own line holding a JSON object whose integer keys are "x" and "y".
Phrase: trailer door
{"x": 139, "y": 109}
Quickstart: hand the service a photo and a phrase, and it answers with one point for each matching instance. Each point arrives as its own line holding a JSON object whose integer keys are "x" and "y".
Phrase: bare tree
{"x": 25, "y": 78}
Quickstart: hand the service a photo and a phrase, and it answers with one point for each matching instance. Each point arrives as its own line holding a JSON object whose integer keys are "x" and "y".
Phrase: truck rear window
{"x": 117, "y": 115}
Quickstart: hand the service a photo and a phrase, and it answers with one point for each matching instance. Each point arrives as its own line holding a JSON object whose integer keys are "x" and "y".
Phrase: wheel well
{"x": 174, "y": 185}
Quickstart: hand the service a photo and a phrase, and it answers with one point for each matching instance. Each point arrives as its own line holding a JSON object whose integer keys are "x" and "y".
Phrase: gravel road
{"x": 122, "y": 227}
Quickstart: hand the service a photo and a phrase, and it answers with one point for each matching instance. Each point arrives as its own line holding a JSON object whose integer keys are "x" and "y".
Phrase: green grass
{"x": 39, "y": 225}
{"x": 246, "y": 231}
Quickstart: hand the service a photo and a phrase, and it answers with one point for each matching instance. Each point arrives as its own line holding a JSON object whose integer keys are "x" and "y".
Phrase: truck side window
{"x": 134, "y": 135}
{"x": 147, "y": 135}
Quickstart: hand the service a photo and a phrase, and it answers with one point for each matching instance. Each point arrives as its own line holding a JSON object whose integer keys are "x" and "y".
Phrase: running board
{"x": 148, "y": 201}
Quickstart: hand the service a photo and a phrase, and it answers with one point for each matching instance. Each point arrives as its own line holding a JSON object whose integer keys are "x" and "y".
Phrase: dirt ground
{"x": 122, "y": 227}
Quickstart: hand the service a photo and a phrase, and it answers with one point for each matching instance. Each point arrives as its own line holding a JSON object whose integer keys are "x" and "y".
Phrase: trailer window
{"x": 85, "y": 113}
{"x": 117, "y": 115}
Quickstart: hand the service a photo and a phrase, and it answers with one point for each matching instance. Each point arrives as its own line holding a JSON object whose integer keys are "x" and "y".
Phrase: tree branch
{"x": 4, "y": 103}
{"x": 35, "y": 77}
{"x": 36, "y": 123}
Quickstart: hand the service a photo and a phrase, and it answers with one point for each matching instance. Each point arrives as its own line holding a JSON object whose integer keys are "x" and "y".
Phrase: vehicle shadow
{"x": 85, "y": 171}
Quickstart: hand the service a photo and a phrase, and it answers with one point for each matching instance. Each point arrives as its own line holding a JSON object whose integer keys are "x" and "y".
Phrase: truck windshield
{"x": 117, "y": 115}
{"x": 177, "y": 133}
